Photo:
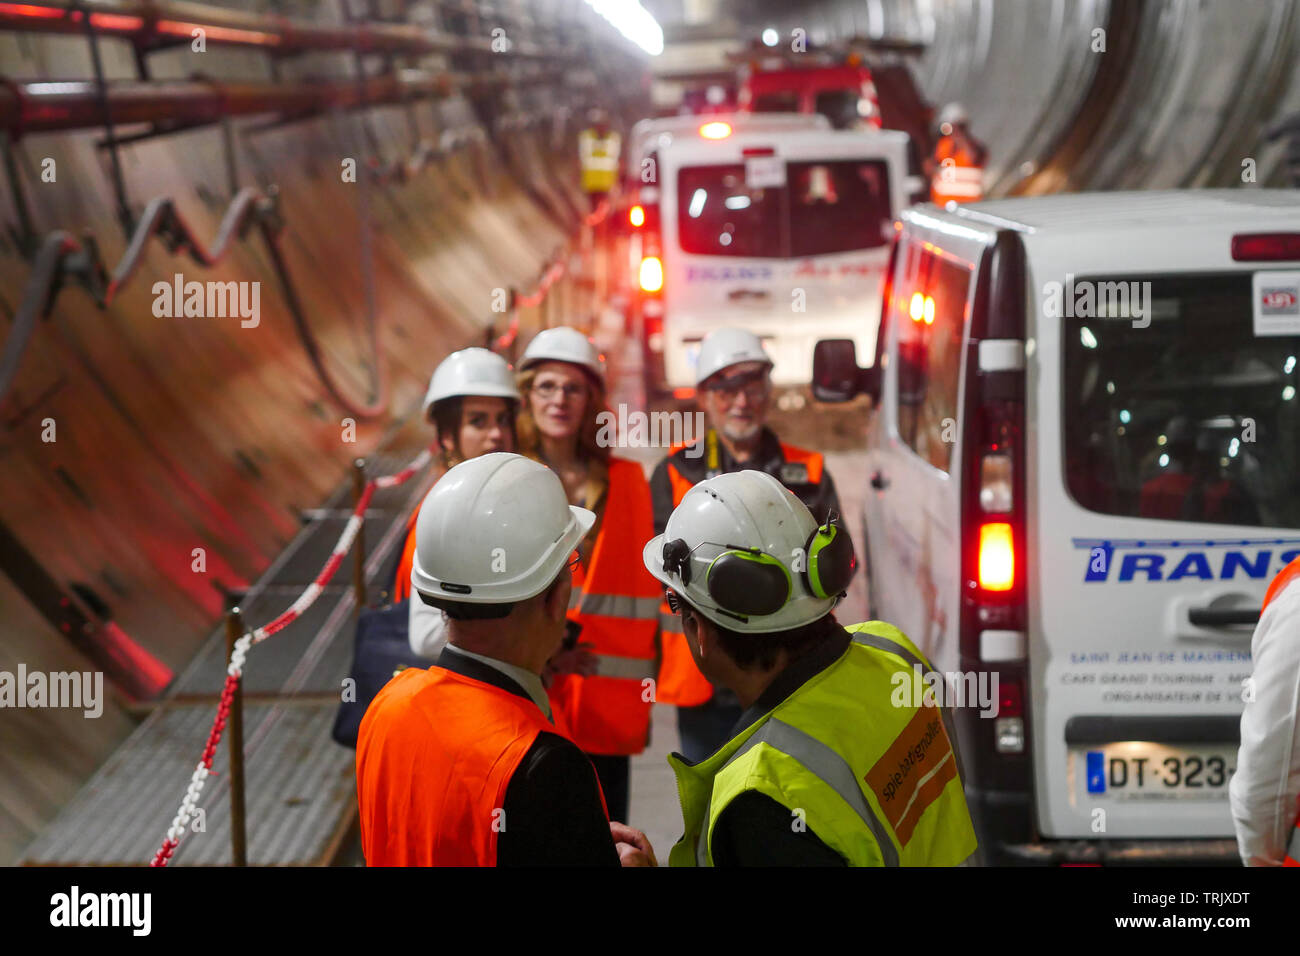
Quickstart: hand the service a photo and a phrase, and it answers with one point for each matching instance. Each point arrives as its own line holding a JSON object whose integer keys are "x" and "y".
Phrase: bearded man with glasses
{"x": 734, "y": 391}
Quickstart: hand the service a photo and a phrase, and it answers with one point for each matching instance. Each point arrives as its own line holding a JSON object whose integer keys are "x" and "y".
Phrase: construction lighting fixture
{"x": 770, "y": 37}
{"x": 633, "y": 21}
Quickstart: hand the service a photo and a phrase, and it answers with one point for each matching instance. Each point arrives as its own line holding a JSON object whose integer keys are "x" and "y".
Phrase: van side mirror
{"x": 836, "y": 376}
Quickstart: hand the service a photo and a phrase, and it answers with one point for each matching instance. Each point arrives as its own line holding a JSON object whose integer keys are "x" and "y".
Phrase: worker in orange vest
{"x": 604, "y": 684}
{"x": 734, "y": 391}
{"x": 959, "y": 159}
{"x": 1265, "y": 790}
{"x": 472, "y": 402}
{"x": 461, "y": 764}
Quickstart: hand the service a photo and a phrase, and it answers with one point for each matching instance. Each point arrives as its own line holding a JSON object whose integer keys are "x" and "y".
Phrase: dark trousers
{"x": 705, "y": 728}
{"x": 614, "y": 774}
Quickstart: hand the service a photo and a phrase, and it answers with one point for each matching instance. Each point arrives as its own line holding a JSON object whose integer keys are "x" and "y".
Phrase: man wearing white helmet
{"x": 472, "y": 402}
{"x": 827, "y": 765}
{"x": 461, "y": 764}
{"x": 735, "y": 392}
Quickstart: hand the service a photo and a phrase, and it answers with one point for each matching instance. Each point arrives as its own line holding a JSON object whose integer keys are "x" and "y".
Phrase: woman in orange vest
{"x": 1264, "y": 793}
{"x": 604, "y": 687}
{"x": 472, "y": 402}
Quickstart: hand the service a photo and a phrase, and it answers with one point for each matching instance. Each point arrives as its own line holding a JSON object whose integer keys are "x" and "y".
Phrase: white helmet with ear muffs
{"x": 750, "y": 557}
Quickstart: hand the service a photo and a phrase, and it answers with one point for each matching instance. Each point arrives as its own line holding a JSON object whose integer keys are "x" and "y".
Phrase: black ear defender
{"x": 831, "y": 561}
{"x": 677, "y": 559}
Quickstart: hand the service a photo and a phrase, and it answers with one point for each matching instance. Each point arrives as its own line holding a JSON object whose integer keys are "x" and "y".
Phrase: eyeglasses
{"x": 754, "y": 384}
{"x": 575, "y": 562}
{"x": 547, "y": 390}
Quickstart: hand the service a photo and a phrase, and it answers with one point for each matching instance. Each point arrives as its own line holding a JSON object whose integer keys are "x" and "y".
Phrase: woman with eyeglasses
{"x": 602, "y": 686}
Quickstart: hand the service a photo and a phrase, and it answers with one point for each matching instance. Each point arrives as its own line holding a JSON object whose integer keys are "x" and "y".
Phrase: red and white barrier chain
{"x": 234, "y": 671}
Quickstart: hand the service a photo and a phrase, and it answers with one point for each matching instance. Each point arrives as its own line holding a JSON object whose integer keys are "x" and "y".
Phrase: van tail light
{"x": 995, "y": 569}
{"x": 636, "y": 216}
{"x": 1266, "y": 247}
{"x": 651, "y": 275}
{"x": 997, "y": 559}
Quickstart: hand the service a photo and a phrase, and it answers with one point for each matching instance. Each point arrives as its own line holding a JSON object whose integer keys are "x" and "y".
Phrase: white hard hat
{"x": 953, "y": 113}
{"x": 748, "y": 554}
{"x": 725, "y": 347}
{"x": 495, "y": 529}
{"x": 563, "y": 344}
{"x": 471, "y": 372}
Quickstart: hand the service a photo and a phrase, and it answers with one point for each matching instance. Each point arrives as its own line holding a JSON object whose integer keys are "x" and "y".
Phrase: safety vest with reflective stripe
{"x": 435, "y": 754}
{"x": 958, "y": 174}
{"x": 617, "y": 603}
{"x": 1284, "y": 577}
{"x": 877, "y": 783}
{"x": 599, "y": 158}
{"x": 680, "y": 680}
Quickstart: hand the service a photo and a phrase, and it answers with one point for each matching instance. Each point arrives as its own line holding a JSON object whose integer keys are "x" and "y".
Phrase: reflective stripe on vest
{"x": 620, "y": 605}
{"x": 616, "y": 602}
{"x": 625, "y": 668}
{"x": 820, "y": 760}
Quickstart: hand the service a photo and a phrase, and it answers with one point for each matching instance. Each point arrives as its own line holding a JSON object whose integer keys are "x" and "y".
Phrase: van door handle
{"x": 1222, "y": 616}
{"x": 747, "y": 294}
{"x": 879, "y": 481}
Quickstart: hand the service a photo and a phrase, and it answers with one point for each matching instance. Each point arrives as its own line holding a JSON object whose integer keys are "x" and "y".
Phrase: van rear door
{"x": 786, "y": 236}
{"x": 1165, "y": 488}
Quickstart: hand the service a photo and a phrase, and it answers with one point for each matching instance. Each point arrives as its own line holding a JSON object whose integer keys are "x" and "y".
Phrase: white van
{"x": 785, "y": 234}
{"x": 1084, "y": 471}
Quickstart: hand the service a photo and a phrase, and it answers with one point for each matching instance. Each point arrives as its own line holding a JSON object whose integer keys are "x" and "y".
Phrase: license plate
{"x": 1140, "y": 770}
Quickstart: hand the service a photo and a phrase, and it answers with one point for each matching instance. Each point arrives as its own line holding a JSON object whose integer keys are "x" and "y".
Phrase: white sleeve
{"x": 1265, "y": 791}
{"x": 428, "y": 628}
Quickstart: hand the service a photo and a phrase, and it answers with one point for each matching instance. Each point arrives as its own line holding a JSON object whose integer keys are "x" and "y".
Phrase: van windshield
{"x": 1192, "y": 418}
{"x": 823, "y": 207}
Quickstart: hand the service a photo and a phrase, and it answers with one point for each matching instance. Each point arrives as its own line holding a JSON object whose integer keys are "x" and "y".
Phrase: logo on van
{"x": 1213, "y": 560}
{"x": 1279, "y": 301}
{"x": 727, "y": 273}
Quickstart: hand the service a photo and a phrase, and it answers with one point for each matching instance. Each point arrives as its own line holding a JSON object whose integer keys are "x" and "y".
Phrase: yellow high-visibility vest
{"x": 877, "y": 783}
{"x": 599, "y": 158}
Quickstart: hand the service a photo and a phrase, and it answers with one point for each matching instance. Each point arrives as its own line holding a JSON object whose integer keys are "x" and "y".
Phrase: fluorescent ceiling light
{"x": 633, "y": 21}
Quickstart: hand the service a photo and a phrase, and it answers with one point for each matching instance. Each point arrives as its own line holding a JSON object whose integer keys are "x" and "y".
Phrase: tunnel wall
{"x": 1180, "y": 97}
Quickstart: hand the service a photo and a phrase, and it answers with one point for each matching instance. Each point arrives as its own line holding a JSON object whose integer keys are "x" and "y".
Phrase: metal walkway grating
{"x": 300, "y": 786}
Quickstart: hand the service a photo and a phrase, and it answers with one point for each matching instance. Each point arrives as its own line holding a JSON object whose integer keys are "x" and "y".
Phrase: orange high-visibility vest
{"x": 680, "y": 680}
{"x": 958, "y": 174}
{"x": 402, "y": 582}
{"x": 435, "y": 754}
{"x": 1284, "y": 577}
{"x": 617, "y": 603}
